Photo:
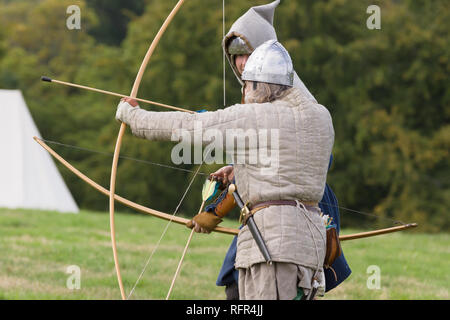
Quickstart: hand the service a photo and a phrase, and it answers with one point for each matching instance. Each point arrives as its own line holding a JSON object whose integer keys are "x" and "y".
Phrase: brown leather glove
{"x": 204, "y": 222}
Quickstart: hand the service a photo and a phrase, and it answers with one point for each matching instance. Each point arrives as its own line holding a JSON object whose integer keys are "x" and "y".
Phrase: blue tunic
{"x": 329, "y": 206}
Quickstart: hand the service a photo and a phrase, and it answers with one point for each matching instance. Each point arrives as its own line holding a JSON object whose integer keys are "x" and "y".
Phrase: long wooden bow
{"x": 134, "y": 91}
{"x": 183, "y": 221}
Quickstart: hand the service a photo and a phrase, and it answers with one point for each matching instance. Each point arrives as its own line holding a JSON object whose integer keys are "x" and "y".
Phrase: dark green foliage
{"x": 113, "y": 18}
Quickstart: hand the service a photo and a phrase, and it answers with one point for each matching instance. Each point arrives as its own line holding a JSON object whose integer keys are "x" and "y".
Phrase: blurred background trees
{"x": 387, "y": 90}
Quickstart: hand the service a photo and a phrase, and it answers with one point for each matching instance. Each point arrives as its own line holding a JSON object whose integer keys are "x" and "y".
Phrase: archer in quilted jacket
{"x": 294, "y": 137}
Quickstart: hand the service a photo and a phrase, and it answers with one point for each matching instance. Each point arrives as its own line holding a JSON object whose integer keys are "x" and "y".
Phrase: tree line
{"x": 387, "y": 90}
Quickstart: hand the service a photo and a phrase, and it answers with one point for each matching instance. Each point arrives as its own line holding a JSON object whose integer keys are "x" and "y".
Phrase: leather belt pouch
{"x": 334, "y": 249}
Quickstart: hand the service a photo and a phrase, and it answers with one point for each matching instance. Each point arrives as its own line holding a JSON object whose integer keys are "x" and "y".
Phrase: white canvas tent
{"x": 28, "y": 176}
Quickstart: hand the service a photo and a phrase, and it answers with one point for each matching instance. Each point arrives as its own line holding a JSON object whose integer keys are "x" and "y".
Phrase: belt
{"x": 266, "y": 204}
{"x": 252, "y": 209}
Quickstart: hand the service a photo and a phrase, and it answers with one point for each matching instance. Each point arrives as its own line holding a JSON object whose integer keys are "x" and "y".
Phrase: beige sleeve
{"x": 175, "y": 125}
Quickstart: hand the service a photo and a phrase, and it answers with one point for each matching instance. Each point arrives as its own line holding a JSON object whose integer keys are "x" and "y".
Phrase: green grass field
{"x": 37, "y": 247}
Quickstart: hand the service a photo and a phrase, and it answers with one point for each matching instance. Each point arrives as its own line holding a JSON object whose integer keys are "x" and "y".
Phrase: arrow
{"x": 79, "y": 86}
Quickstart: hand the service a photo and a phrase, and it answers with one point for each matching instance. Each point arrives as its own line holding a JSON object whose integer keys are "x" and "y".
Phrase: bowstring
{"x": 363, "y": 213}
{"x": 163, "y": 233}
{"x": 207, "y": 151}
{"x": 223, "y": 54}
{"x": 121, "y": 157}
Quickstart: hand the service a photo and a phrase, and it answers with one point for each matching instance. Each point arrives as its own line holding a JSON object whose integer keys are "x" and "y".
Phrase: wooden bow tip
{"x": 377, "y": 232}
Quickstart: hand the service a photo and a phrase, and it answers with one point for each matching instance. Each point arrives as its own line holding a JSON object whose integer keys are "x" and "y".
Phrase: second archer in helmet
{"x": 247, "y": 33}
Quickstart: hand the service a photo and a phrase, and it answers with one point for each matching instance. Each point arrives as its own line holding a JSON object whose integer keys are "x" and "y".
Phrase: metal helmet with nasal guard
{"x": 270, "y": 63}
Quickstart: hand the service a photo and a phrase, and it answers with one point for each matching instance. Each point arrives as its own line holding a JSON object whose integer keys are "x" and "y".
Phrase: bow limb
{"x": 112, "y": 191}
{"x": 205, "y": 196}
{"x": 123, "y": 126}
{"x": 122, "y": 200}
{"x": 174, "y": 278}
{"x": 376, "y": 232}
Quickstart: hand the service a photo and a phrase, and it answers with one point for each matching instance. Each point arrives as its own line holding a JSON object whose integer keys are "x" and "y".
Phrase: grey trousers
{"x": 279, "y": 281}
